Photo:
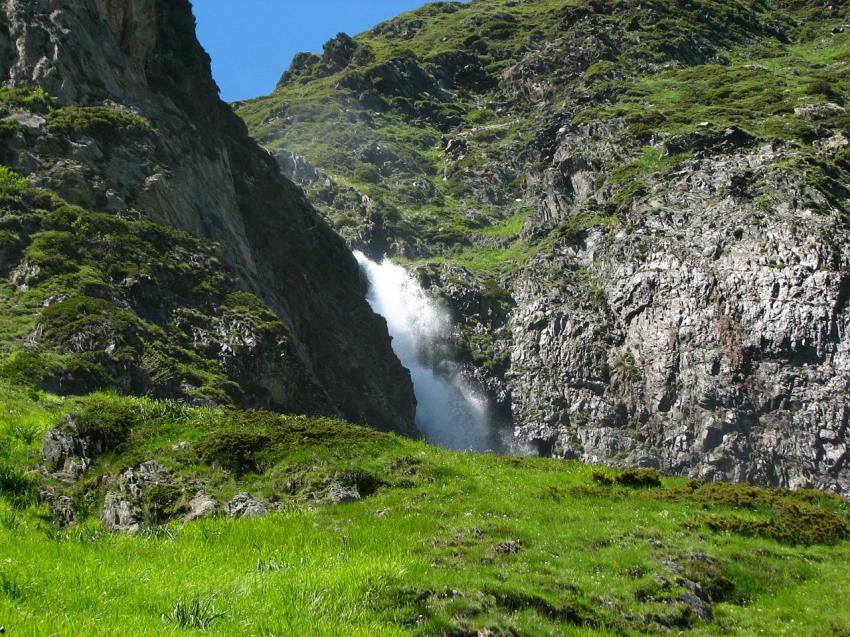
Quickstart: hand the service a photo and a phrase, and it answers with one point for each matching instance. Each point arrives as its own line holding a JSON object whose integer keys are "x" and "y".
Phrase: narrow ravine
{"x": 449, "y": 412}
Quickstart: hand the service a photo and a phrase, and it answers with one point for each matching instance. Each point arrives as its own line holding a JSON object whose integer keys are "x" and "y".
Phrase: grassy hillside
{"x": 442, "y": 543}
{"x": 444, "y": 117}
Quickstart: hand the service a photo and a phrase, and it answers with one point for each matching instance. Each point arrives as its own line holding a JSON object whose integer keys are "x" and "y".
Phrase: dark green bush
{"x": 235, "y": 451}
{"x": 97, "y": 120}
{"x": 162, "y": 502}
{"x": 638, "y": 478}
{"x": 25, "y": 99}
{"x": 790, "y": 523}
{"x": 366, "y": 173}
{"x": 104, "y": 420}
{"x": 364, "y": 481}
{"x": 27, "y": 367}
{"x": 601, "y": 478}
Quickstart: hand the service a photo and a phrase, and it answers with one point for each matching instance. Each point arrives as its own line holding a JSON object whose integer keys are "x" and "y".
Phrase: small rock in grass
{"x": 508, "y": 547}
{"x": 338, "y": 494}
{"x": 244, "y": 506}
{"x": 201, "y": 506}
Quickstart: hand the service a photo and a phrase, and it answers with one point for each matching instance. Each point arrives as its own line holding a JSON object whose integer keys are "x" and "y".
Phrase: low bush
{"x": 97, "y": 120}
{"x": 235, "y": 451}
{"x": 105, "y": 420}
{"x": 790, "y": 523}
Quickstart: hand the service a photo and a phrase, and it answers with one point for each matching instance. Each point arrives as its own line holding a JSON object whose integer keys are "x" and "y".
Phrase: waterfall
{"x": 449, "y": 412}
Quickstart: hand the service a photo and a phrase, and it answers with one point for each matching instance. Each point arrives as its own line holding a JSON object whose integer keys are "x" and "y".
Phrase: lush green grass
{"x": 759, "y": 91}
{"x": 448, "y": 543}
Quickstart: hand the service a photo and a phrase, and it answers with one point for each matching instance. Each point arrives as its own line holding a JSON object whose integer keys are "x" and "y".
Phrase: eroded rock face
{"x": 705, "y": 334}
{"x": 67, "y": 453}
{"x": 134, "y": 503}
{"x": 198, "y": 171}
{"x": 118, "y": 514}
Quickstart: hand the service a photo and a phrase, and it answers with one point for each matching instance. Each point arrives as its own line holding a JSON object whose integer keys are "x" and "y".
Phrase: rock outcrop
{"x": 142, "y": 134}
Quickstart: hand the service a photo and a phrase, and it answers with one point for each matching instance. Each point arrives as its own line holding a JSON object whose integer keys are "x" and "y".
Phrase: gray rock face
{"x": 67, "y": 454}
{"x": 704, "y": 334}
{"x": 127, "y": 510}
{"x": 244, "y": 506}
{"x": 199, "y": 172}
{"x": 118, "y": 514}
{"x": 61, "y": 506}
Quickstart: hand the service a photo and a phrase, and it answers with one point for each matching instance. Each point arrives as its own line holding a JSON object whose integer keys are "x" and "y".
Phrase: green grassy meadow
{"x": 447, "y": 544}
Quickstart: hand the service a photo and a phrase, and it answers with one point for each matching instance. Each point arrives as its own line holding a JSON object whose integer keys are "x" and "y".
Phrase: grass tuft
{"x": 197, "y": 612}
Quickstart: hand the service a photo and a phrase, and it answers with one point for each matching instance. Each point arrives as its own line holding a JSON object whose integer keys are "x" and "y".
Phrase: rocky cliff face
{"x": 135, "y": 129}
{"x": 643, "y": 207}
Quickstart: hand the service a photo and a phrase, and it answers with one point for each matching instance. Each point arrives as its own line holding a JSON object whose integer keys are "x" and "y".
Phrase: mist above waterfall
{"x": 449, "y": 412}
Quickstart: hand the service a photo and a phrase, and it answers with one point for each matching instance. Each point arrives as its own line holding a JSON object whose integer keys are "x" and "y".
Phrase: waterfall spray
{"x": 449, "y": 412}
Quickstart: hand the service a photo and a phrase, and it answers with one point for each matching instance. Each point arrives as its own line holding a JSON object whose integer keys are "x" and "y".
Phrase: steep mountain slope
{"x": 637, "y": 210}
{"x": 111, "y": 106}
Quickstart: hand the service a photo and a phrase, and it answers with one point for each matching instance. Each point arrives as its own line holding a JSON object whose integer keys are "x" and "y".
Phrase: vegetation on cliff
{"x": 442, "y": 116}
{"x": 93, "y": 301}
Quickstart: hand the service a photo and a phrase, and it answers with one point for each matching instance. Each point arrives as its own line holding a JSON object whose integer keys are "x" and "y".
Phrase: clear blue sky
{"x": 251, "y": 42}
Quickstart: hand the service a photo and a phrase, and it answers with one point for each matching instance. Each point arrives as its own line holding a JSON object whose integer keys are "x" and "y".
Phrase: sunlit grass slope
{"x": 448, "y": 544}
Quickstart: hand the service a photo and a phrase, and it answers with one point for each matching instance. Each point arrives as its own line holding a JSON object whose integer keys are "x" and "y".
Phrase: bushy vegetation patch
{"x": 106, "y": 420}
{"x": 97, "y": 120}
{"x": 235, "y": 451}
{"x": 789, "y": 522}
{"x": 633, "y": 478}
{"x": 99, "y": 302}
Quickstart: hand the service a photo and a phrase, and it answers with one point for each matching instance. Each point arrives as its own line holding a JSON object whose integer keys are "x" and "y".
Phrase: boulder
{"x": 119, "y": 515}
{"x": 338, "y": 493}
{"x": 244, "y": 506}
{"x": 201, "y": 506}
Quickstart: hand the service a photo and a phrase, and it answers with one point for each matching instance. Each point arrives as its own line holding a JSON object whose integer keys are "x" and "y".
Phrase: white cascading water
{"x": 449, "y": 412}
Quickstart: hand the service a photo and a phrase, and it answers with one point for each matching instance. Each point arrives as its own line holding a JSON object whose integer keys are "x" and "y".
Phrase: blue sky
{"x": 251, "y": 42}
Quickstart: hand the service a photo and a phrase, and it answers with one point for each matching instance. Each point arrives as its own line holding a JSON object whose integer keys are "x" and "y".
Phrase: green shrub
{"x": 602, "y": 478}
{"x": 366, "y": 173}
{"x": 64, "y": 320}
{"x": 639, "y": 478}
{"x": 633, "y": 478}
{"x": 10, "y": 181}
{"x": 25, "y": 99}
{"x": 233, "y": 450}
{"x": 105, "y": 420}
{"x": 97, "y": 120}
{"x": 27, "y": 367}
{"x": 162, "y": 502}
{"x": 363, "y": 481}
{"x": 790, "y": 523}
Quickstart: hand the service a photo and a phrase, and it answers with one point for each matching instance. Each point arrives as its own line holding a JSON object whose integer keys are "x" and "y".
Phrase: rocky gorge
{"x": 503, "y": 318}
{"x": 635, "y": 212}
